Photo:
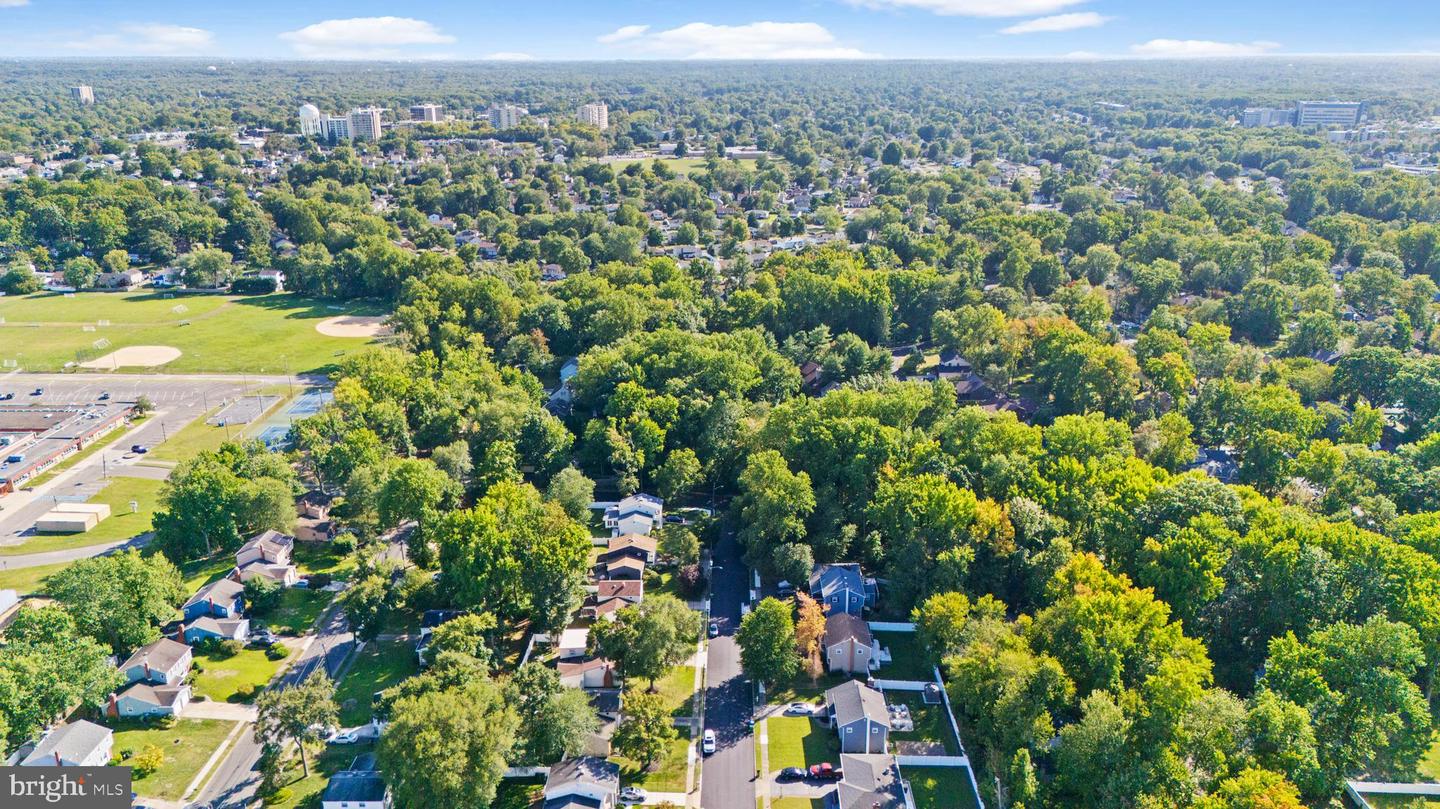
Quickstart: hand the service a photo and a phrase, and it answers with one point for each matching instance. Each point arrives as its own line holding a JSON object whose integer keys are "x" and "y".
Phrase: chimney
{"x": 146, "y": 664}
{"x": 180, "y": 632}
{"x": 113, "y": 708}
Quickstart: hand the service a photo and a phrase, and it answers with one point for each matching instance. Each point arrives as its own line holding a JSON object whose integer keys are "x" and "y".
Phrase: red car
{"x": 825, "y": 772}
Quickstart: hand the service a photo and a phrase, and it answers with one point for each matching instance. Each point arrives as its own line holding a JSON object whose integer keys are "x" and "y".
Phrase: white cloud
{"x": 1059, "y": 22}
{"x": 148, "y": 39}
{"x": 508, "y": 56}
{"x": 13, "y": 3}
{"x": 1200, "y": 48}
{"x": 366, "y": 38}
{"x": 756, "y": 40}
{"x": 973, "y": 8}
{"x": 623, "y": 33}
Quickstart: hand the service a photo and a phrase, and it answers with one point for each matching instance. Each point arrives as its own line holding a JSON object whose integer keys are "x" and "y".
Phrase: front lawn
{"x": 380, "y": 665}
{"x": 187, "y": 747}
{"x": 797, "y": 803}
{"x": 801, "y": 689}
{"x": 669, "y": 773}
{"x": 799, "y": 741}
{"x": 321, "y": 557}
{"x": 221, "y": 679}
{"x": 28, "y": 580}
{"x": 678, "y": 688}
{"x": 296, "y": 612}
{"x": 940, "y": 787}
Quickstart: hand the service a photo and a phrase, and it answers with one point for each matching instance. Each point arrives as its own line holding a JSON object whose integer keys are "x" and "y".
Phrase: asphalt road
{"x": 233, "y": 784}
{"x": 729, "y": 773}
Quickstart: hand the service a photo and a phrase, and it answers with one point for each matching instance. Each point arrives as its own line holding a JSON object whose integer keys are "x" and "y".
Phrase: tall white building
{"x": 1267, "y": 116}
{"x": 427, "y": 113}
{"x": 312, "y": 125}
{"x": 596, "y": 115}
{"x": 337, "y": 127}
{"x": 83, "y": 94}
{"x": 506, "y": 116}
{"x": 365, "y": 123}
{"x": 1328, "y": 113}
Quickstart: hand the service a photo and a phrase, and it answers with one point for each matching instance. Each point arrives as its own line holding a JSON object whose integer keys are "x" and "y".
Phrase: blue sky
{"x": 737, "y": 29}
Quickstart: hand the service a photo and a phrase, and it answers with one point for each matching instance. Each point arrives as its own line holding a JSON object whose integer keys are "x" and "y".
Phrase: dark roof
{"x": 572, "y": 802}
{"x": 583, "y": 769}
{"x": 355, "y": 786}
{"x": 852, "y": 700}
{"x": 841, "y": 626}
{"x": 315, "y": 497}
{"x": 365, "y": 762}
{"x": 606, "y": 703}
{"x": 871, "y": 781}
{"x": 434, "y": 618}
{"x": 827, "y": 579}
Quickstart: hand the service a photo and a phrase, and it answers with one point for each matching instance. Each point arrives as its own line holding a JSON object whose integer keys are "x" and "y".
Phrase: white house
{"x": 359, "y": 787}
{"x": 590, "y": 782}
{"x": 145, "y": 700}
{"x": 78, "y": 744}
{"x": 636, "y": 514}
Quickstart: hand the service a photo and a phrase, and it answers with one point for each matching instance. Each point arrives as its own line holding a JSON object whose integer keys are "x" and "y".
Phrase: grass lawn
{"x": 28, "y": 580}
{"x": 1430, "y": 764}
{"x": 907, "y": 659}
{"x": 221, "y": 678}
{"x": 306, "y": 791}
{"x": 320, "y": 557}
{"x": 515, "y": 793}
{"x": 297, "y": 611}
{"x": 677, "y": 687}
{"x": 121, "y": 524}
{"x": 215, "y": 333}
{"x": 1400, "y": 802}
{"x": 799, "y": 741}
{"x": 381, "y": 665}
{"x": 200, "y": 572}
{"x": 95, "y": 446}
{"x": 682, "y": 165}
{"x": 940, "y": 787}
{"x": 797, "y": 803}
{"x": 667, "y": 776}
{"x": 930, "y": 722}
{"x": 802, "y": 690}
{"x": 187, "y": 747}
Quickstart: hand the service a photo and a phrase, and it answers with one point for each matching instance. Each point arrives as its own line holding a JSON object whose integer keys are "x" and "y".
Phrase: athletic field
{"x": 271, "y": 334}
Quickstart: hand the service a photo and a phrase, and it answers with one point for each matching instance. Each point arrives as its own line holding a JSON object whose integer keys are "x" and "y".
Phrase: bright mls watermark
{"x": 65, "y": 787}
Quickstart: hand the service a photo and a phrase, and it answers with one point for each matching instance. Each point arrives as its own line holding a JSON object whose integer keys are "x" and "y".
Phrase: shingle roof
{"x": 154, "y": 694}
{"x": 354, "y": 786}
{"x": 871, "y": 781}
{"x": 72, "y": 742}
{"x": 161, "y": 655}
{"x": 223, "y": 591}
{"x": 841, "y": 626}
{"x": 852, "y": 700}
{"x": 583, "y": 769}
{"x": 622, "y": 588}
{"x": 827, "y": 579}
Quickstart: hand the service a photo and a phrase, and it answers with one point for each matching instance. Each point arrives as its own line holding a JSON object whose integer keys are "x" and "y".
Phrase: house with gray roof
{"x": 842, "y": 588}
{"x": 859, "y": 716}
{"x": 849, "y": 644}
{"x": 583, "y": 782}
{"x": 78, "y": 744}
{"x": 223, "y": 599}
{"x": 869, "y": 782}
{"x": 164, "y": 662}
{"x": 359, "y": 787}
{"x": 143, "y": 700}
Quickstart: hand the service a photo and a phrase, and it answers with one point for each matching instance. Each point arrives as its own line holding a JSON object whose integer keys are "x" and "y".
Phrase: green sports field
{"x": 215, "y": 333}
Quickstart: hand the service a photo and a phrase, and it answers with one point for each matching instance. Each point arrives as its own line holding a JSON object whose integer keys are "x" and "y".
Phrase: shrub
{"x": 279, "y": 796}
{"x": 320, "y": 580}
{"x": 252, "y": 285}
{"x": 245, "y": 693}
{"x": 166, "y": 722}
{"x": 261, "y": 595}
{"x": 690, "y": 580}
{"x": 229, "y": 648}
{"x": 147, "y": 761}
{"x": 344, "y": 544}
{"x": 276, "y": 651}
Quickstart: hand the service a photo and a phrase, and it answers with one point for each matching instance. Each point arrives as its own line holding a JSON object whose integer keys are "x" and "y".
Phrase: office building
{"x": 365, "y": 123}
{"x": 312, "y": 124}
{"x": 427, "y": 113}
{"x": 84, "y": 94}
{"x": 1267, "y": 116}
{"x": 506, "y": 116}
{"x": 596, "y": 115}
{"x": 1328, "y": 113}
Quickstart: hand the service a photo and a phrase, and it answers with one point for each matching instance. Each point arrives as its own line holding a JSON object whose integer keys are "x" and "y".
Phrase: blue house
{"x": 842, "y": 588}
{"x": 221, "y": 599}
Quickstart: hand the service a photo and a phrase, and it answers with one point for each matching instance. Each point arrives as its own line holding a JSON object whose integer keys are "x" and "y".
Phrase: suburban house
{"x": 206, "y": 627}
{"x": 952, "y": 364}
{"x": 268, "y": 555}
{"x": 610, "y": 596}
{"x": 607, "y": 703}
{"x": 124, "y": 279}
{"x": 631, "y": 546}
{"x": 307, "y": 530}
{"x": 625, "y": 568}
{"x": 78, "y": 744}
{"x": 592, "y": 672}
{"x": 586, "y": 782}
{"x": 142, "y": 700}
{"x": 869, "y": 782}
{"x": 841, "y": 588}
{"x": 314, "y": 504}
{"x": 359, "y": 787}
{"x": 222, "y": 599}
{"x": 164, "y": 662}
{"x": 572, "y": 643}
{"x": 849, "y": 646}
{"x": 859, "y": 716}
{"x": 636, "y": 514}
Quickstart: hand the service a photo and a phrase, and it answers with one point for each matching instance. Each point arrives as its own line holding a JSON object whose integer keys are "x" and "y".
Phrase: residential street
{"x": 728, "y": 780}
{"x": 235, "y": 780}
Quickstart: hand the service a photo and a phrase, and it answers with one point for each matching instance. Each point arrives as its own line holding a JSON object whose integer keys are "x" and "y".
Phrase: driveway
{"x": 729, "y": 773}
{"x": 227, "y": 711}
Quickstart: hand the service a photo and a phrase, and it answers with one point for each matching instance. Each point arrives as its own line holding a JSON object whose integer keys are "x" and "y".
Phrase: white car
{"x": 707, "y": 742}
{"x": 799, "y": 709}
{"x": 632, "y": 795}
{"x": 345, "y": 737}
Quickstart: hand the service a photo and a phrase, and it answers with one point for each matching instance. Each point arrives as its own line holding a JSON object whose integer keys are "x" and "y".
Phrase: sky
{"x": 736, "y": 29}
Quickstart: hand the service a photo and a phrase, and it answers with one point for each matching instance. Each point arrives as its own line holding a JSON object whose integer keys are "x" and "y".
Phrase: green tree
{"x": 572, "y": 491}
{"x": 120, "y": 599}
{"x": 646, "y": 730}
{"x": 81, "y": 272}
{"x": 555, "y": 721}
{"x": 647, "y": 639}
{"x": 464, "y": 735}
{"x": 767, "y": 642}
{"x": 297, "y": 714}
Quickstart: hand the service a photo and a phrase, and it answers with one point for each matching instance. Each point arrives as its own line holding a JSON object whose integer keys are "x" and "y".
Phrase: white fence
{"x": 933, "y": 761}
{"x": 891, "y": 626}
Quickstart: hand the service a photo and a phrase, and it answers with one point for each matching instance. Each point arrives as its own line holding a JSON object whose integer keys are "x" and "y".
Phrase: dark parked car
{"x": 8, "y": 395}
{"x": 139, "y": 449}
{"x": 104, "y": 397}
{"x": 38, "y": 392}
{"x": 791, "y": 774}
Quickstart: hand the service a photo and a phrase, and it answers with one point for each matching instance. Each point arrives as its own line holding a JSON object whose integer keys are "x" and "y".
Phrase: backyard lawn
{"x": 940, "y": 787}
{"x": 381, "y": 665}
{"x": 799, "y": 741}
{"x": 931, "y": 725}
{"x": 296, "y": 612}
{"x": 802, "y": 690}
{"x": 320, "y": 557}
{"x": 220, "y": 679}
{"x": 677, "y": 687}
{"x": 907, "y": 661}
{"x": 187, "y": 747}
{"x": 215, "y": 333}
{"x": 121, "y": 524}
{"x": 667, "y": 776}
{"x": 200, "y": 572}
{"x": 519, "y": 794}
